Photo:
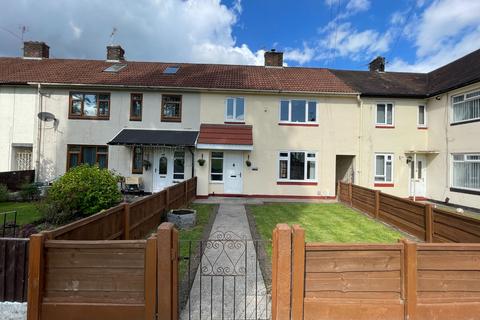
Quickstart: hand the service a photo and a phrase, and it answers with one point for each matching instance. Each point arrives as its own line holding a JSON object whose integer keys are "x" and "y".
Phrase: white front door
{"x": 233, "y": 173}
{"x": 162, "y": 169}
{"x": 418, "y": 176}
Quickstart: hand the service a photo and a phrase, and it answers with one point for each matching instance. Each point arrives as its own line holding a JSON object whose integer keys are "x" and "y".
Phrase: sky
{"x": 413, "y": 35}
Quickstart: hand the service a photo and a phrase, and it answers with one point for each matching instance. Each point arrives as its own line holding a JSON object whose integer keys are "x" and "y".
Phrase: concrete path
{"x": 259, "y": 201}
{"x": 229, "y": 283}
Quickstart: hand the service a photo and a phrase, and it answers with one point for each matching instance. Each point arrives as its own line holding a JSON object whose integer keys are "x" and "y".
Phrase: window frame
{"x": 452, "y": 160}
{"x": 305, "y": 170}
{"x": 385, "y": 124}
{"x": 234, "y": 120}
{"x": 171, "y": 119}
{"x": 289, "y": 121}
{"x": 425, "y": 124}
{"x": 71, "y": 115}
{"x": 223, "y": 167}
{"x": 137, "y": 170}
{"x": 184, "y": 161}
{"x": 80, "y": 153}
{"x": 385, "y": 160}
{"x": 464, "y": 95}
{"x": 132, "y": 116}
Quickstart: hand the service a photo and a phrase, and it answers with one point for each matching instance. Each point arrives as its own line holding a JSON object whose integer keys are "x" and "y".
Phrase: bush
{"x": 29, "y": 192}
{"x": 84, "y": 189}
{"x": 3, "y": 193}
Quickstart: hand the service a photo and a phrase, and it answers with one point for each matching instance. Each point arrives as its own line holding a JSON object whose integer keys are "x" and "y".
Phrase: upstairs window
{"x": 235, "y": 110}
{"x": 136, "y": 106}
{"x": 137, "y": 160}
{"x": 385, "y": 115}
{"x": 466, "y": 171}
{"x": 383, "y": 168}
{"x": 179, "y": 165}
{"x": 171, "y": 108}
{"x": 89, "y": 106}
{"x": 466, "y": 107}
{"x": 298, "y": 111}
{"x": 92, "y": 155}
{"x": 422, "y": 117}
{"x": 216, "y": 167}
{"x": 296, "y": 166}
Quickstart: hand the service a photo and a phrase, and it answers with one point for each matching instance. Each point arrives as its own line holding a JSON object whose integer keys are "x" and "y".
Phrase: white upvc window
{"x": 384, "y": 167}
{"x": 216, "y": 166}
{"x": 466, "y": 107}
{"x": 466, "y": 171}
{"x": 298, "y": 111}
{"x": 297, "y": 166}
{"x": 235, "y": 109}
{"x": 422, "y": 116}
{"x": 385, "y": 114}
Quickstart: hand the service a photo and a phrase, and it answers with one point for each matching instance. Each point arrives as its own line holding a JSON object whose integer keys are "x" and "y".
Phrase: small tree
{"x": 82, "y": 190}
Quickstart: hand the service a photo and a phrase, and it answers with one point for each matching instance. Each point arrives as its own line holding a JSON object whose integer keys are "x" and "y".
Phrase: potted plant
{"x": 201, "y": 162}
{"x": 146, "y": 164}
{"x": 248, "y": 163}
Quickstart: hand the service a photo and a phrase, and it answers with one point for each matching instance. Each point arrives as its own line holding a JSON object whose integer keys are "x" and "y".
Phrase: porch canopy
{"x": 145, "y": 137}
{"x": 225, "y": 137}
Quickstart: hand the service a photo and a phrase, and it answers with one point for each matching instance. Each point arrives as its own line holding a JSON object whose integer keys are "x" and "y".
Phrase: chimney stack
{"x": 377, "y": 64}
{"x": 273, "y": 58}
{"x": 35, "y": 50}
{"x": 115, "y": 53}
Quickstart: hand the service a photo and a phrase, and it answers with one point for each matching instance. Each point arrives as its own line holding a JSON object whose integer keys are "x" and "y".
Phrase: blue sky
{"x": 414, "y": 35}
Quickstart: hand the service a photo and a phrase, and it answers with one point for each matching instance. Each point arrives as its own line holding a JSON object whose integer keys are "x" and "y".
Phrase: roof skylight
{"x": 171, "y": 70}
{"x": 115, "y": 67}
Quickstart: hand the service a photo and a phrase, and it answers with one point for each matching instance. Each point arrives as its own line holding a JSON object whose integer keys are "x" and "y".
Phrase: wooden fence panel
{"x": 343, "y": 191}
{"x": 147, "y": 214}
{"x": 13, "y": 269}
{"x": 452, "y": 227}
{"x": 363, "y": 199}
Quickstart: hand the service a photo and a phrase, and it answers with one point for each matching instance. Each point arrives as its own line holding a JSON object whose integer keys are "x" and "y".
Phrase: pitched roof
{"x": 150, "y": 74}
{"x": 234, "y": 134}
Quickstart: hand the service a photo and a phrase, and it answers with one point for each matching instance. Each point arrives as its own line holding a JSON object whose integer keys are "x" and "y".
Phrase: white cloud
{"x": 301, "y": 56}
{"x": 358, "y": 5}
{"x": 154, "y": 30}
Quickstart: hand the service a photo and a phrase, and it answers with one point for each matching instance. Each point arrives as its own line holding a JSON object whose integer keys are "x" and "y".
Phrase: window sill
{"x": 137, "y": 172}
{"x": 384, "y": 126}
{"x": 464, "y": 122}
{"x": 422, "y": 128}
{"x": 384, "y": 185}
{"x": 215, "y": 182}
{"x": 234, "y": 122}
{"x": 292, "y": 124}
{"x": 170, "y": 120}
{"x": 135, "y": 119}
{"x": 467, "y": 191}
{"x": 296, "y": 183}
{"x": 87, "y": 118}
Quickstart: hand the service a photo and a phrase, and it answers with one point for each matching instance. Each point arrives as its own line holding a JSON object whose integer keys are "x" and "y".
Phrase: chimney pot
{"x": 115, "y": 53}
{"x": 36, "y": 50}
{"x": 377, "y": 64}
{"x": 273, "y": 58}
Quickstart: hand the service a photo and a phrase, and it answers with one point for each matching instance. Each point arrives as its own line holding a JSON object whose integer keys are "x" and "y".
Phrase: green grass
{"x": 26, "y": 212}
{"x": 330, "y": 222}
{"x": 204, "y": 211}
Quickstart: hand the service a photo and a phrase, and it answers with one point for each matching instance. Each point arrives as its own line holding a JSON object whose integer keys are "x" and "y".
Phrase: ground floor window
{"x": 93, "y": 155}
{"x": 384, "y": 167}
{"x": 216, "y": 167}
{"x": 137, "y": 161}
{"x": 297, "y": 165}
{"x": 466, "y": 171}
{"x": 179, "y": 165}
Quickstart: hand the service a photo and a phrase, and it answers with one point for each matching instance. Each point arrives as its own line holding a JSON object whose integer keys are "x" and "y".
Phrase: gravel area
{"x": 13, "y": 311}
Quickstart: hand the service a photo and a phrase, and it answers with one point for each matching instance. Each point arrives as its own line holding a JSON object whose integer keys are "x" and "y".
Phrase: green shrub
{"x": 29, "y": 192}
{"x": 3, "y": 193}
{"x": 85, "y": 189}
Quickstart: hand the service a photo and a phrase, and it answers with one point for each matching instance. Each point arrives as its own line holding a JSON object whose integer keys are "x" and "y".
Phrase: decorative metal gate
{"x": 224, "y": 277}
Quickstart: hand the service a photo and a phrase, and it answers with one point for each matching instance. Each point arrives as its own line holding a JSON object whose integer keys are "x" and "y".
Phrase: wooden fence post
{"x": 150, "y": 277}
{"x": 428, "y": 223}
{"x": 185, "y": 190}
{"x": 167, "y": 277}
{"x": 126, "y": 221}
{"x": 281, "y": 272}
{"x": 298, "y": 271}
{"x": 339, "y": 198}
{"x": 35, "y": 276}
{"x": 410, "y": 279}
{"x": 167, "y": 199}
{"x": 350, "y": 194}
{"x": 377, "y": 203}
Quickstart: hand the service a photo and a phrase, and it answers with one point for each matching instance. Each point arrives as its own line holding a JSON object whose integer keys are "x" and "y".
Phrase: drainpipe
{"x": 39, "y": 132}
{"x": 193, "y": 162}
{"x": 415, "y": 174}
{"x": 360, "y": 135}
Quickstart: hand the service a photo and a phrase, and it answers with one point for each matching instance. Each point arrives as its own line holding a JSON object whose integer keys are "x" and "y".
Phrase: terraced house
{"x": 269, "y": 131}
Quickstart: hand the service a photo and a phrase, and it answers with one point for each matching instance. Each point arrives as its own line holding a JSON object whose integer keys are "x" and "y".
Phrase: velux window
{"x": 235, "y": 110}
{"x": 216, "y": 167}
{"x": 298, "y": 111}
{"x": 385, "y": 114}
{"x": 92, "y": 155}
{"x": 466, "y": 171}
{"x": 171, "y": 108}
{"x": 466, "y": 107}
{"x": 89, "y": 105}
{"x": 297, "y": 165}
{"x": 384, "y": 168}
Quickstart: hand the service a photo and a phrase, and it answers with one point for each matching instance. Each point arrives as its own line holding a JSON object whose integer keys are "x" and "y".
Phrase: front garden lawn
{"x": 27, "y": 212}
{"x": 329, "y": 222}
